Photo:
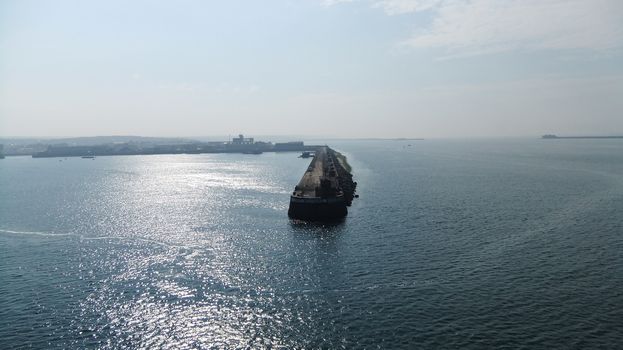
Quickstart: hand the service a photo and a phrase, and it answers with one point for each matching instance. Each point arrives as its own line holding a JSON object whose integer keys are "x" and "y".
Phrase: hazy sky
{"x": 360, "y": 68}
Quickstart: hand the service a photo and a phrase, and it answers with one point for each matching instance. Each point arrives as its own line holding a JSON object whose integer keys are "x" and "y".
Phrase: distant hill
{"x": 22, "y": 146}
{"x": 94, "y": 140}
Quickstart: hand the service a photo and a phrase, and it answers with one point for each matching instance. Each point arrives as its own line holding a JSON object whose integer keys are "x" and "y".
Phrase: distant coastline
{"x": 140, "y": 145}
{"x": 551, "y": 136}
{"x": 113, "y": 146}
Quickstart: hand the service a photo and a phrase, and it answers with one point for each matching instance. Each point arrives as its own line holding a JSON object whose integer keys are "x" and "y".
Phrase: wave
{"x": 35, "y": 233}
{"x": 140, "y": 239}
{"x": 95, "y": 238}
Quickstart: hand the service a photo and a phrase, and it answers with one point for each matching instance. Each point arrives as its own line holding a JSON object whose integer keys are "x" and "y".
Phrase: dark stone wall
{"x": 317, "y": 211}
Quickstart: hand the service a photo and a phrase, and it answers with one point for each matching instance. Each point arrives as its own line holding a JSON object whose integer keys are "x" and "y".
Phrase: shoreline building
{"x": 241, "y": 140}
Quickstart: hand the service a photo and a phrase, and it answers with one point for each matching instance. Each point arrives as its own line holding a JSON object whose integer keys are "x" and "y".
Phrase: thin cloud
{"x": 393, "y": 7}
{"x": 473, "y": 27}
{"x": 334, "y": 2}
{"x": 399, "y": 7}
{"x": 495, "y": 25}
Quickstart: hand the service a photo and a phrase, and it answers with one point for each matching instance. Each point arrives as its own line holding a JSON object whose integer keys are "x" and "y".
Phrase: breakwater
{"x": 325, "y": 190}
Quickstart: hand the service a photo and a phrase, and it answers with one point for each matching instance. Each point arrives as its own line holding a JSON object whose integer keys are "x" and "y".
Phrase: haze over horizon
{"x": 332, "y": 68}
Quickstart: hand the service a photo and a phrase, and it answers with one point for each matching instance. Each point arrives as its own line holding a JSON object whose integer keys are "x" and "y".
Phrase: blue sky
{"x": 367, "y": 68}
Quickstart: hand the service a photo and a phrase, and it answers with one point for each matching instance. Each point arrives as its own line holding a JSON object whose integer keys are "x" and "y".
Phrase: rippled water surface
{"x": 453, "y": 244}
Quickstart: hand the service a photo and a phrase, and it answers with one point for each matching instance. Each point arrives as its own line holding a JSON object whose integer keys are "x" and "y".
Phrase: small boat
{"x": 306, "y": 154}
{"x": 253, "y": 152}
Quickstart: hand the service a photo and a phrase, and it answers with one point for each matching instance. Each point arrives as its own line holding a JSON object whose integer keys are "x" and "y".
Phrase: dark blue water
{"x": 453, "y": 244}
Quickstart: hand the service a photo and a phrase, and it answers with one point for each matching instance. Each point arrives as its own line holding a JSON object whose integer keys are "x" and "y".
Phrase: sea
{"x": 452, "y": 244}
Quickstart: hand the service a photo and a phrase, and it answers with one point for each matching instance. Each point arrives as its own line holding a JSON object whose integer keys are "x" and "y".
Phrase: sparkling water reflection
{"x": 452, "y": 245}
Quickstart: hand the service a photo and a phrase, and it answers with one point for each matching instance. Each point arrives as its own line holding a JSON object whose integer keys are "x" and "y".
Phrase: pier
{"x": 325, "y": 190}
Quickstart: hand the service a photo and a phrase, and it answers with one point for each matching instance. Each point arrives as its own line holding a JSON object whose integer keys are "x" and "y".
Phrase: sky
{"x": 326, "y": 68}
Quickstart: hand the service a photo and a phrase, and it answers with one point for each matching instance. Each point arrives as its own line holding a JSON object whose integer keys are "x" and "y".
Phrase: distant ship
{"x": 551, "y": 136}
{"x": 88, "y": 157}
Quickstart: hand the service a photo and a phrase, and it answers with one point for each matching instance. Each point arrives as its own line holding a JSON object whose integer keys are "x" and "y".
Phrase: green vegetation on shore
{"x": 342, "y": 159}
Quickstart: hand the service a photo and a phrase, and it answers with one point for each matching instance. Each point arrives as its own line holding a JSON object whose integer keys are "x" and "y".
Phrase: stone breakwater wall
{"x": 325, "y": 190}
{"x": 345, "y": 178}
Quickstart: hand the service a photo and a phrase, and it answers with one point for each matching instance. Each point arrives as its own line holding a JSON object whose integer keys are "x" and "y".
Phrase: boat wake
{"x": 35, "y": 233}
{"x": 97, "y": 238}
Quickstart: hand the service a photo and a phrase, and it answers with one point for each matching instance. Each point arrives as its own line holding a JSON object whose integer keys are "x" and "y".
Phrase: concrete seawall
{"x": 325, "y": 190}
